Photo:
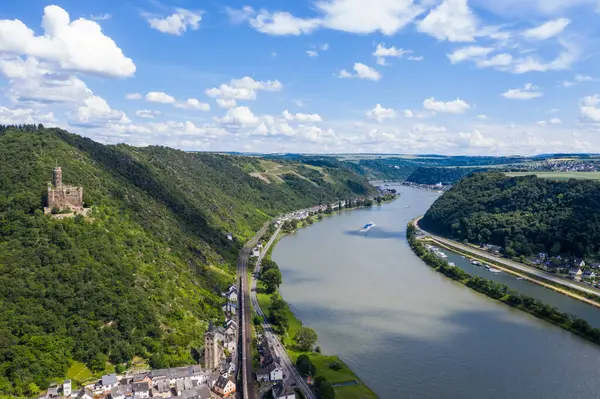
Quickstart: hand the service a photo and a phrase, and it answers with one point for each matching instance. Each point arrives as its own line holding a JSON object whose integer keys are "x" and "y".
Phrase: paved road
{"x": 292, "y": 375}
{"x": 515, "y": 265}
{"x": 245, "y": 338}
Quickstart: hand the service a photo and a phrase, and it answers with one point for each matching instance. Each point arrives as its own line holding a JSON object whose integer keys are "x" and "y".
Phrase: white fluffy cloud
{"x": 457, "y": 106}
{"x": 300, "y": 117}
{"x": 159, "y": 97}
{"x": 147, "y": 113}
{"x": 382, "y": 52}
{"x": 528, "y": 92}
{"x": 95, "y": 112}
{"x": 379, "y": 113}
{"x": 547, "y": 30}
{"x": 452, "y": 20}
{"x": 245, "y": 88}
{"x": 78, "y": 46}
{"x": 239, "y": 116}
{"x": 385, "y": 16}
{"x": 469, "y": 53}
{"x": 312, "y": 53}
{"x": 588, "y": 109}
{"x": 193, "y": 104}
{"x": 361, "y": 71}
{"x": 18, "y": 116}
{"x": 476, "y": 139}
{"x": 176, "y": 23}
{"x": 282, "y": 23}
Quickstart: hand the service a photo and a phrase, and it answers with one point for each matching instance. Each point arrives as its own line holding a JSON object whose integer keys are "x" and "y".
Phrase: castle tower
{"x": 57, "y": 177}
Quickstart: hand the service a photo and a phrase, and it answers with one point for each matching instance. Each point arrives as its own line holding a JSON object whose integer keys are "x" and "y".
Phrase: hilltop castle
{"x": 63, "y": 197}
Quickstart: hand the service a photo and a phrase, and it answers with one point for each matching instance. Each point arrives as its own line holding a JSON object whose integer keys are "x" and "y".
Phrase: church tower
{"x": 213, "y": 349}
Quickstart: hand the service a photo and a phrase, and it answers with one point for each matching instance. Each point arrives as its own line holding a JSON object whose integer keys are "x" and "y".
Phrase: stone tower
{"x": 57, "y": 177}
{"x": 213, "y": 347}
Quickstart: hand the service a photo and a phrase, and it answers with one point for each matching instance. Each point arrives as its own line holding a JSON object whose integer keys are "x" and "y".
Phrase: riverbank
{"x": 502, "y": 293}
{"x": 345, "y": 382}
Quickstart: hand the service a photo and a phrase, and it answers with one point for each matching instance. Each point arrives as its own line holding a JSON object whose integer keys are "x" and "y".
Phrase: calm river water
{"x": 409, "y": 332}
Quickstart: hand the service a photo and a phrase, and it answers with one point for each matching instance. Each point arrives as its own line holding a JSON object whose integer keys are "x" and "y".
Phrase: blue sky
{"x": 394, "y": 76}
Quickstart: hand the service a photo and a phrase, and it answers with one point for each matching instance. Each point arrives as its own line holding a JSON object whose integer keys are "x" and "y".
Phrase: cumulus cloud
{"x": 159, "y": 97}
{"x": 95, "y": 112}
{"x": 176, "y": 23}
{"x": 193, "y": 104}
{"x": 282, "y": 23}
{"x": 300, "y": 117}
{"x": 147, "y": 113}
{"x": 469, "y": 53}
{"x": 452, "y": 20}
{"x": 379, "y": 113}
{"x": 382, "y": 52}
{"x": 384, "y": 16}
{"x": 78, "y": 46}
{"x": 457, "y": 106}
{"x": 547, "y": 30}
{"x": 588, "y": 109}
{"x": 245, "y": 89}
{"x": 361, "y": 71}
{"x": 476, "y": 139}
{"x": 17, "y": 116}
{"x": 312, "y": 53}
{"x": 239, "y": 116}
{"x": 528, "y": 92}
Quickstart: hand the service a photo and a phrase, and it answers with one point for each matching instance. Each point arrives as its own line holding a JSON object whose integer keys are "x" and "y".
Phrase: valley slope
{"x": 142, "y": 276}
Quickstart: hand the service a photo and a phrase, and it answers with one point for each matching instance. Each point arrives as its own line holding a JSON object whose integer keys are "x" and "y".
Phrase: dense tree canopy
{"x": 143, "y": 274}
{"x": 525, "y": 215}
{"x": 435, "y": 175}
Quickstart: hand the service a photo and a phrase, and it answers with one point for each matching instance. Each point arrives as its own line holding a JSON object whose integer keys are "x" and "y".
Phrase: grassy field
{"x": 79, "y": 372}
{"x": 321, "y": 361}
{"x": 560, "y": 175}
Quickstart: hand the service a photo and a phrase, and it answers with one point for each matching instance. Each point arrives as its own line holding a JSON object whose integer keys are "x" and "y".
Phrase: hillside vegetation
{"x": 435, "y": 175}
{"x": 141, "y": 276}
{"x": 526, "y": 215}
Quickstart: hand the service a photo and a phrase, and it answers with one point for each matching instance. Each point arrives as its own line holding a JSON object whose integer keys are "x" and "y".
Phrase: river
{"x": 409, "y": 332}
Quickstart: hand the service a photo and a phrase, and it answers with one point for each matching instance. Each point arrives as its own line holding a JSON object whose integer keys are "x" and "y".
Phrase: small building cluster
{"x": 189, "y": 382}
{"x": 271, "y": 372}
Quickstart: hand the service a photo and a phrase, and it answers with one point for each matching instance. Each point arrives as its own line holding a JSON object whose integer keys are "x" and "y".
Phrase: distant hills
{"x": 142, "y": 276}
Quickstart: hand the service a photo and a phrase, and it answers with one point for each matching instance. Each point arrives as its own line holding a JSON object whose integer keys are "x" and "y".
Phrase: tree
{"x": 323, "y": 388}
{"x": 305, "y": 366}
{"x": 278, "y": 313}
{"x": 306, "y": 338}
{"x": 272, "y": 279}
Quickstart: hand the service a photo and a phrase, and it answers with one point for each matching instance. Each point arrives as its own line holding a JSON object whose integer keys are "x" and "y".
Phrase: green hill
{"x": 526, "y": 215}
{"x": 141, "y": 276}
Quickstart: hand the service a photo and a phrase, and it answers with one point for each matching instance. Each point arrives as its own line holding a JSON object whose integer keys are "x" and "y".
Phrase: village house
{"x": 231, "y": 294}
{"x": 255, "y": 252}
{"x": 107, "y": 382}
{"x": 141, "y": 390}
{"x": 224, "y": 387}
{"x": 275, "y": 373}
{"x": 199, "y": 392}
{"x": 588, "y": 275}
{"x": 52, "y": 392}
{"x": 121, "y": 391}
{"x": 576, "y": 274}
{"x": 230, "y": 308}
{"x": 162, "y": 389}
{"x": 262, "y": 375}
{"x": 281, "y": 391}
{"x": 67, "y": 388}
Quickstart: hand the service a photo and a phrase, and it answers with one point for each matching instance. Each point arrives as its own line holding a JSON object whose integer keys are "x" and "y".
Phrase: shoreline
{"x": 502, "y": 293}
{"x": 352, "y": 387}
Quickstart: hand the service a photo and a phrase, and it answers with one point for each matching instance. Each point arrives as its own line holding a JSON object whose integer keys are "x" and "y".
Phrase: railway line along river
{"x": 409, "y": 332}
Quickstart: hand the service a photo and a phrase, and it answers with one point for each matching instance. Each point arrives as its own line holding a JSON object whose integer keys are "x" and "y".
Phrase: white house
{"x": 67, "y": 388}
{"x": 576, "y": 274}
{"x": 108, "y": 381}
{"x": 589, "y": 275}
{"x": 232, "y": 295}
{"x": 256, "y": 252}
{"x": 276, "y": 374}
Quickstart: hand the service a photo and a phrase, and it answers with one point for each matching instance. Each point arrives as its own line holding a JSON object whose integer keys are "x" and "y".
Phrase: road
{"x": 285, "y": 362}
{"x": 245, "y": 314}
{"x": 514, "y": 265}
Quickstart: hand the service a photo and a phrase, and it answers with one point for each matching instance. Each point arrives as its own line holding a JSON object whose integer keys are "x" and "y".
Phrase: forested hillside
{"x": 526, "y": 215}
{"x": 435, "y": 175}
{"x": 142, "y": 275}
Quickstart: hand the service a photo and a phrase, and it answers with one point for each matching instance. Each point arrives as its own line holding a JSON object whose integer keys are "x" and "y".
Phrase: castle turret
{"x": 57, "y": 177}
